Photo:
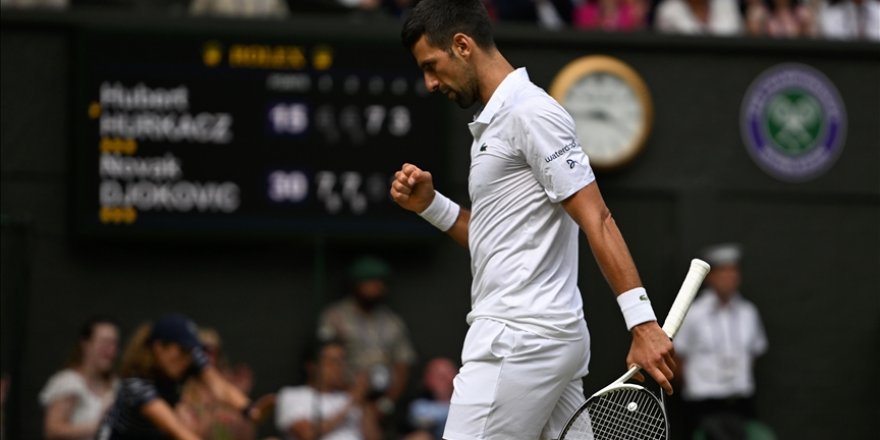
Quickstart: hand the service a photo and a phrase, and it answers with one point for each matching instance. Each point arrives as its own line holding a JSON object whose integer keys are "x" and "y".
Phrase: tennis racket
{"x": 626, "y": 411}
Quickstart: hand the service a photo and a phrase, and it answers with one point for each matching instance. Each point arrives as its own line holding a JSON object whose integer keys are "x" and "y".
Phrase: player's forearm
{"x": 612, "y": 255}
{"x": 588, "y": 209}
{"x": 459, "y": 229}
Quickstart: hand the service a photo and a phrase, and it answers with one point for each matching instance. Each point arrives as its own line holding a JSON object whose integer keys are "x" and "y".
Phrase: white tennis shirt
{"x": 525, "y": 159}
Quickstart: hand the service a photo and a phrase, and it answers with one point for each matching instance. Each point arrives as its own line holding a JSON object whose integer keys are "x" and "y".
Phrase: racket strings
{"x": 620, "y": 415}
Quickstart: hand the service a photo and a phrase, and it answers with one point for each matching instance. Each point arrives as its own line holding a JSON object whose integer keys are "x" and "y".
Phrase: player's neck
{"x": 492, "y": 72}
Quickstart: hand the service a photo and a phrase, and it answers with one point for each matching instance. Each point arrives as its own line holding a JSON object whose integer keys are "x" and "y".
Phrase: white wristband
{"x": 636, "y": 307}
{"x": 442, "y": 212}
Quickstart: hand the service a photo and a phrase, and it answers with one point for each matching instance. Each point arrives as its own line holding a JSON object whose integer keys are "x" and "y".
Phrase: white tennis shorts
{"x": 515, "y": 384}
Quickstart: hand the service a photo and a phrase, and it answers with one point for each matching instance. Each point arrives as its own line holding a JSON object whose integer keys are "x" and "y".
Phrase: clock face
{"x": 610, "y": 106}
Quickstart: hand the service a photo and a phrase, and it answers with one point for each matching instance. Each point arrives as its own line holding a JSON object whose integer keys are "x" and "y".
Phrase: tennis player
{"x": 531, "y": 188}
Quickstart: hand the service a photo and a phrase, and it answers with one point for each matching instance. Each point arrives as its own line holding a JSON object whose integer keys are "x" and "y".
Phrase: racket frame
{"x": 689, "y": 288}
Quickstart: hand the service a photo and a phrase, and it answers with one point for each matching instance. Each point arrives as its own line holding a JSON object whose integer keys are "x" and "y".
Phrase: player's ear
{"x": 462, "y": 45}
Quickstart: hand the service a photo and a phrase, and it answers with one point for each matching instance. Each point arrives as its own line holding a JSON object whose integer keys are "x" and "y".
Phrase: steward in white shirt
{"x": 718, "y": 343}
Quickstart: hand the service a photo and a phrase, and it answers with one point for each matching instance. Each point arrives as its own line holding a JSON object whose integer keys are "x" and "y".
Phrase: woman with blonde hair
{"x": 77, "y": 397}
{"x": 158, "y": 360}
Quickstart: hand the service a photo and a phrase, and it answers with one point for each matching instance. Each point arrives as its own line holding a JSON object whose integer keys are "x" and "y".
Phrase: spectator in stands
{"x": 41, "y": 4}
{"x": 390, "y": 7}
{"x": 328, "y": 406}
{"x": 718, "y": 343}
{"x": 240, "y": 8}
{"x": 206, "y": 415}
{"x": 77, "y": 397}
{"x": 699, "y": 17}
{"x": 158, "y": 359}
{"x": 610, "y": 15}
{"x": 376, "y": 338}
{"x": 781, "y": 18}
{"x": 850, "y": 20}
{"x": 427, "y": 413}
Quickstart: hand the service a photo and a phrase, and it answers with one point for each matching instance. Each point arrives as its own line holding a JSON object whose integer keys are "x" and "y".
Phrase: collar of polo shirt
{"x": 511, "y": 82}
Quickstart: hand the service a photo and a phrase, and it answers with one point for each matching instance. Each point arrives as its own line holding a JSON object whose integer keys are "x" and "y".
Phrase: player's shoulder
{"x": 530, "y": 98}
{"x": 533, "y": 105}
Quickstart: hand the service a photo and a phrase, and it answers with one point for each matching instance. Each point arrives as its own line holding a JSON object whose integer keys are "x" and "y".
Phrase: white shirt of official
{"x": 305, "y": 403}
{"x": 719, "y": 344}
{"x": 525, "y": 159}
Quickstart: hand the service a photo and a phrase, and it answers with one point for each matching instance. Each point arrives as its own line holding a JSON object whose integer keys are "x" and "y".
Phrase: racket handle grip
{"x": 686, "y": 294}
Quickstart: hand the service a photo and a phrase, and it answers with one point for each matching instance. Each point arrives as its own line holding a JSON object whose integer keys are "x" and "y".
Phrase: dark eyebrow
{"x": 427, "y": 63}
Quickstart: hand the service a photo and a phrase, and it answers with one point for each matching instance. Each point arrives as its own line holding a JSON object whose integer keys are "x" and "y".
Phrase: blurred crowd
{"x": 830, "y": 19}
{"x": 361, "y": 378}
{"x": 172, "y": 378}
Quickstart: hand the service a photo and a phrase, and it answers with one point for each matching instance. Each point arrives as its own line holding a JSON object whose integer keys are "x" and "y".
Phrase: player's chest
{"x": 495, "y": 163}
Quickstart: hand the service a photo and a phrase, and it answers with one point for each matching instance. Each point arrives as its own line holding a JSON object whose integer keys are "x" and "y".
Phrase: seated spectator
{"x": 610, "y": 15}
{"x": 328, "y": 406}
{"x": 206, "y": 415}
{"x": 850, "y": 20}
{"x": 699, "y": 17}
{"x": 240, "y": 8}
{"x": 40, "y": 4}
{"x": 77, "y": 397}
{"x": 781, "y": 18}
{"x": 427, "y": 414}
{"x": 390, "y": 7}
{"x": 158, "y": 360}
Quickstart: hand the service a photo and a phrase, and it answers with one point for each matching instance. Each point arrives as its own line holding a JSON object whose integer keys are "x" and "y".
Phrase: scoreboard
{"x": 222, "y": 135}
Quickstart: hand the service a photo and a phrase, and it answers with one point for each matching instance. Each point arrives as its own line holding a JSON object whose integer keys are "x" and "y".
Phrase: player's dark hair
{"x": 440, "y": 20}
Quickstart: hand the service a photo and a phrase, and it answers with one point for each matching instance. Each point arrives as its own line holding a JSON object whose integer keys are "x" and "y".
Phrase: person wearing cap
{"x": 376, "y": 338}
{"x": 718, "y": 343}
{"x": 157, "y": 361}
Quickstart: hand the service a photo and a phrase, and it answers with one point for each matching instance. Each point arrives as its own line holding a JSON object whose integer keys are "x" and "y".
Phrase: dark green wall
{"x": 813, "y": 249}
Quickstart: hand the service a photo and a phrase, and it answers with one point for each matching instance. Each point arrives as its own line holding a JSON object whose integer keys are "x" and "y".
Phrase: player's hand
{"x": 412, "y": 188}
{"x": 652, "y": 350}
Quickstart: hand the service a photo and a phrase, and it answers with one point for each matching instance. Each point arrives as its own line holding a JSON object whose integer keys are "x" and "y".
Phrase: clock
{"x": 611, "y": 107}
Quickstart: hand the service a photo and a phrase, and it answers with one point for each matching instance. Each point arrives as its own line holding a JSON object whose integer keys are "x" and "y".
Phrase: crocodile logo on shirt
{"x": 483, "y": 147}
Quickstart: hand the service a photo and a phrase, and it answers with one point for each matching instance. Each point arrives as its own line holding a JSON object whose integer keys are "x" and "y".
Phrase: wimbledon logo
{"x": 793, "y": 122}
